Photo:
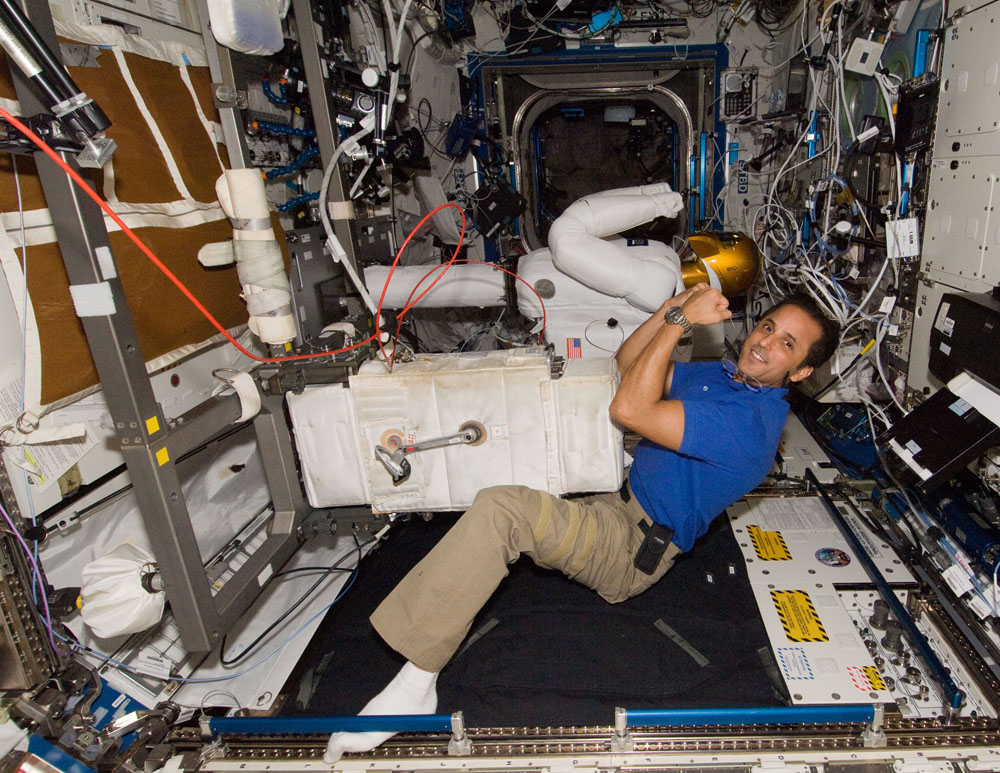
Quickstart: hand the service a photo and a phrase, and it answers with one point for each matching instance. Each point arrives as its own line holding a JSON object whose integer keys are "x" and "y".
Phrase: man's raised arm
{"x": 640, "y": 404}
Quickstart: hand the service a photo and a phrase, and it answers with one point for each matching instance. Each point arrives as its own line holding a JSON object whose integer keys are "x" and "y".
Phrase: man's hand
{"x": 705, "y": 306}
{"x": 680, "y": 299}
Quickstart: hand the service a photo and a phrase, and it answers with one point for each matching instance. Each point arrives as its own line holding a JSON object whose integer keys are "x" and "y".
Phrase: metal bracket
{"x": 471, "y": 433}
{"x": 459, "y": 745}
{"x": 622, "y": 740}
{"x": 874, "y": 735}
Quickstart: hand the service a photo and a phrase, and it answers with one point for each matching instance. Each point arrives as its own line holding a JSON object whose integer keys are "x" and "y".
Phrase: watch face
{"x": 675, "y": 316}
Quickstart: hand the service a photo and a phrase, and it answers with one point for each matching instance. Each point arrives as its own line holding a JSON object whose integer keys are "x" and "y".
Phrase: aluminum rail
{"x": 352, "y": 724}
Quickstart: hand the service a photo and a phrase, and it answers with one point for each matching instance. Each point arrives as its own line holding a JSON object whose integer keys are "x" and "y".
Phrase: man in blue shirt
{"x": 709, "y": 437}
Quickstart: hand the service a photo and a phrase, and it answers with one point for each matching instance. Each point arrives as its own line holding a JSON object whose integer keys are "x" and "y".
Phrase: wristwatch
{"x": 675, "y": 316}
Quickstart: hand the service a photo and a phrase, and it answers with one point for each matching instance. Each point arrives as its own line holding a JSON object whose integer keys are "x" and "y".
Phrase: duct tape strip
{"x": 341, "y": 210}
{"x": 105, "y": 262}
{"x": 93, "y": 300}
{"x": 12, "y": 106}
{"x": 245, "y": 388}
{"x": 140, "y": 103}
{"x": 251, "y": 223}
{"x": 68, "y": 106}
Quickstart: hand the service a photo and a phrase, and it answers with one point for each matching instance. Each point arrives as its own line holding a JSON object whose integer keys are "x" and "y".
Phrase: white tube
{"x": 579, "y": 250}
{"x": 259, "y": 263}
{"x": 463, "y": 285}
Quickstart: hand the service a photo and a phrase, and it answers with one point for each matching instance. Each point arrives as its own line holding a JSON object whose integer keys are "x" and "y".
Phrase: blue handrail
{"x": 765, "y": 715}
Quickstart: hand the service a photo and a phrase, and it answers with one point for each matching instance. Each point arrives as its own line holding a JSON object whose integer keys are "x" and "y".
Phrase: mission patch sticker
{"x": 768, "y": 545}
{"x": 798, "y": 616}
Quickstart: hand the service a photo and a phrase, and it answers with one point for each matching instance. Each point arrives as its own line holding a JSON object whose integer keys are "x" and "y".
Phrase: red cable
{"x": 392, "y": 268}
{"x": 408, "y": 305}
{"x": 182, "y": 287}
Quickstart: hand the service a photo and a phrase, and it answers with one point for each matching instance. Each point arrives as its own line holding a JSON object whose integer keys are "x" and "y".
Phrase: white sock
{"x": 412, "y": 691}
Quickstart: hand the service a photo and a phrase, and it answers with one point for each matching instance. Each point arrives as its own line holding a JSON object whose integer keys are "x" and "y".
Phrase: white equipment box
{"x": 544, "y": 432}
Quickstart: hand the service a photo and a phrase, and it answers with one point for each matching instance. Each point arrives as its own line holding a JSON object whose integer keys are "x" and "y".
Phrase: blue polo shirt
{"x": 730, "y": 437}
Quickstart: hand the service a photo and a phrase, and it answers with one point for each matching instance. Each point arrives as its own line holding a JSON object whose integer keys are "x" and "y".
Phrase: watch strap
{"x": 675, "y": 316}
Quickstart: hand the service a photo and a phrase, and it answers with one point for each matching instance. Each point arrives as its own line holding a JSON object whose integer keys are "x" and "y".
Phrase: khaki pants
{"x": 592, "y": 540}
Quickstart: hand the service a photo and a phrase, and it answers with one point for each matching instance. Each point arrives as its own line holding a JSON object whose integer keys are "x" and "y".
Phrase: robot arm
{"x": 576, "y": 241}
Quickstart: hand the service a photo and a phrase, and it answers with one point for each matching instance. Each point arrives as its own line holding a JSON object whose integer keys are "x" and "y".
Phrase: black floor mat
{"x": 550, "y": 652}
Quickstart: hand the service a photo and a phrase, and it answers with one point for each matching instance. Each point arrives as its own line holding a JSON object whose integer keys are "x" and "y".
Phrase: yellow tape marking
{"x": 152, "y": 425}
{"x": 874, "y": 677}
{"x": 798, "y": 616}
{"x": 768, "y": 545}
{"x": 162, "y": 457}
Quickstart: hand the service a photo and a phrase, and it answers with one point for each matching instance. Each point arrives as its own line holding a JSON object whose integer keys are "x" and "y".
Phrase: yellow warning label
{"x": 874, "y": 677}
{"x": 798, "y": 616}
{"x": 152, "y": 425}
{"x": 768, "y": 545}
{"x": 162, "y": 457}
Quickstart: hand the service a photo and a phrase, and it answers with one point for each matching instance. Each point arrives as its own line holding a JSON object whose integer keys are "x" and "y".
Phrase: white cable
{"x": 883, "y": 86}
{"x": 879, "y": 335}
{"x": 871, "y": 290}
{"x": 332, "y": 242}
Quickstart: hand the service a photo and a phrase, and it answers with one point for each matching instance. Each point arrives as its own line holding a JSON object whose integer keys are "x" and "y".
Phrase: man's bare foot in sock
{"x": 412, "y": 691}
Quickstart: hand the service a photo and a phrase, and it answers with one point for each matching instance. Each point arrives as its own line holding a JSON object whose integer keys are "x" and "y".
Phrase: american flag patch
{"x": 573, "y": 350}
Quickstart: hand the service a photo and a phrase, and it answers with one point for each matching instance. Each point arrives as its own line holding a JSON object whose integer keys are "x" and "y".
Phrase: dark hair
{"x": 823, "y": 347}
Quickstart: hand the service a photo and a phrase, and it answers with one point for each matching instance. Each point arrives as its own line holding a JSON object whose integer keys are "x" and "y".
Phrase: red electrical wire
{"x": 408, "y": 305}
{"x": 392, "y": 268}
{"x": 183, "y": 288}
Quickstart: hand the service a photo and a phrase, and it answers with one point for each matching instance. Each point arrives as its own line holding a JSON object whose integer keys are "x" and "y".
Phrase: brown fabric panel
{"x": 201, "y": 79}
{"x": 66, "y": 363}
{"x": 170, "y": 104}
{"x": 164, "y": 318}
{"x": 31, "y": 186}
{"x": 6, "y": 81}
{"x": 141, "y": 174}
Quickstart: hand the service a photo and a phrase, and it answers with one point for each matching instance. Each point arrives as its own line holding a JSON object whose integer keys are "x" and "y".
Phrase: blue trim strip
{"x": 920, "y": 53}
{"x": 703, "y": 149}
{"x": 767, "y": 715}
{"x": 353, "y": 724}
{"x": 692, "y": 163}
{"x": 904, "y": 201}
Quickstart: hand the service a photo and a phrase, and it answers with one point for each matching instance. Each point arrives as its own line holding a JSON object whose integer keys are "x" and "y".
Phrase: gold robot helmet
{"x": 728, "y": 261}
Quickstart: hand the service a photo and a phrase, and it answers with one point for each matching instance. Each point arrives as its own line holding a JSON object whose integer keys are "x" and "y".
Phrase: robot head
{"x": 728, "y": 261}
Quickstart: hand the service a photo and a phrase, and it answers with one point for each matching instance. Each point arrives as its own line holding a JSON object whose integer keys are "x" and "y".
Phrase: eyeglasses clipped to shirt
{"x": 731, "y": 369}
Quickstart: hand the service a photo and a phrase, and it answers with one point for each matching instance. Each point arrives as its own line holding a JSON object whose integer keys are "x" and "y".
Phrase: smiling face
{"x": 774, "y": 351}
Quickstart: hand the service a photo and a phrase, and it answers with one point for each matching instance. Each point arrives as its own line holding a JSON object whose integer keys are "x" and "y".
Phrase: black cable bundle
{"x": 771, "y": 15}
{"x": 701, "y": 9}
